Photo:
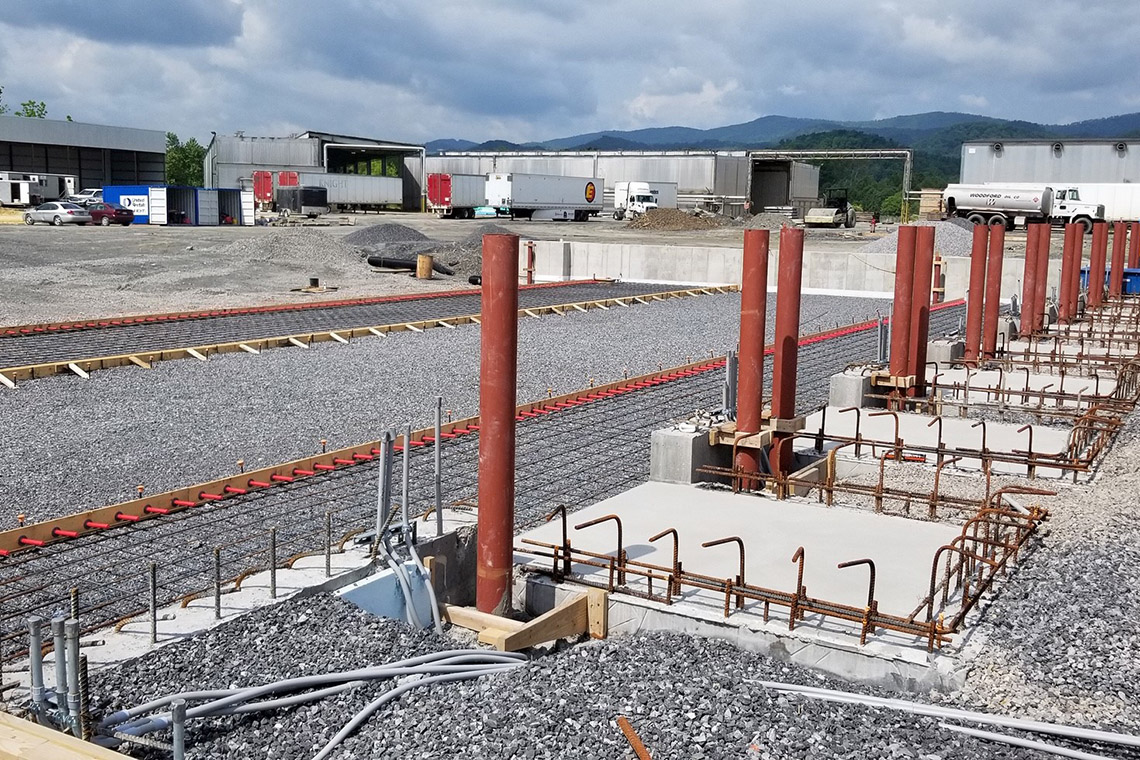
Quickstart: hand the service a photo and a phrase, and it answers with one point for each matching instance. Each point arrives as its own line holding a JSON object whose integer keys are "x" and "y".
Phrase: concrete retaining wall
{"x": 852, "y": 271}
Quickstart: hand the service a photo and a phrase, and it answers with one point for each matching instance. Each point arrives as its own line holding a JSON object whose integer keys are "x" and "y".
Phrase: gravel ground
{"x": 185, "y": 422}
{"x": 950, "y": 239}
{"x": 686, "y": 697}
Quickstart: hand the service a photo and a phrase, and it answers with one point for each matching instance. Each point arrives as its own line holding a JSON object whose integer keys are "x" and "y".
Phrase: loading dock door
{"x": 770, "y": 183}
{"x": 157, "y": 205}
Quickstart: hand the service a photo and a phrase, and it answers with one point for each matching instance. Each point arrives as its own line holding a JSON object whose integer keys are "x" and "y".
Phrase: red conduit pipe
{"x": 1075, "y": 272}
{"x": 1119, "y": 252}
{"x": 787, "y": 342}
{"x": 1029, "y": 280}
{"x": 920, "y": 308}
{"x": 975, "y": 296}
{"x": 900, "y": 313}
{"x": 1063, "y": 315}
{"x": 497, "y": 383}
{"x": 1134, "y": 246}
{"x": 1044, "y": 242}
{"x": 993, "y": 291}
{"x": 1097, "y": 260}
{"x": 753, "y": 311}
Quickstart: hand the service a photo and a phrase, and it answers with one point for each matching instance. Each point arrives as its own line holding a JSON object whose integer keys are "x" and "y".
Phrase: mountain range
{"x": 937, "y": 132}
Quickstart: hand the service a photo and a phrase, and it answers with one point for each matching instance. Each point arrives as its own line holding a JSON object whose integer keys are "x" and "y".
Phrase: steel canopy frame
{"x": 859, "y": 154}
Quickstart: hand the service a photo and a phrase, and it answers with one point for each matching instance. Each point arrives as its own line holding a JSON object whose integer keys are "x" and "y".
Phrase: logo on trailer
{"x": 591, "y": 192}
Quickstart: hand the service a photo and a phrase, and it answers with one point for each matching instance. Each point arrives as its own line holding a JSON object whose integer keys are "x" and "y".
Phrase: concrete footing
{"x": 675, "y": 455}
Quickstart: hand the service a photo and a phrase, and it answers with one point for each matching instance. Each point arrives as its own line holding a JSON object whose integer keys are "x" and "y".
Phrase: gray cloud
{"x": 546, "y": 68}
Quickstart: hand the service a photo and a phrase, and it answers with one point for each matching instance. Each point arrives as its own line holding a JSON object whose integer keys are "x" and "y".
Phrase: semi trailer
{"x": 456, "y": 195}
{"x": 305, "y": 200}
{"x": 1005, "y": 204}
{"x": 544, "y": 196}
{"x": 633, "y": 199}
{"x": 345, "y": 191}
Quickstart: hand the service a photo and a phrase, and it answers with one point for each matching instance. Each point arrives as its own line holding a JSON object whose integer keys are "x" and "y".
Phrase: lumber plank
{"x": 567, "y": 619}
{"x": 24, "y": 740}
{"x": 475, "y": 620}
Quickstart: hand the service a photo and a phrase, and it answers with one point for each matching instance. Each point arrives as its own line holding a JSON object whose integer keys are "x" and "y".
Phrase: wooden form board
{"x": 24, "y": 740}
{"x": 580, "y": 614}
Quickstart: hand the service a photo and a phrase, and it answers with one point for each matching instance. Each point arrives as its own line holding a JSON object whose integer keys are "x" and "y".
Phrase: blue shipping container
{"x": 134, "y": 197}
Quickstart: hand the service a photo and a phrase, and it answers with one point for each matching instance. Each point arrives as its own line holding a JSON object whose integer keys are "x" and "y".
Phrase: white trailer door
{"x": 247, "y": 212}
{"x": 157, "y": 199}
{"x": 208, "y": 213}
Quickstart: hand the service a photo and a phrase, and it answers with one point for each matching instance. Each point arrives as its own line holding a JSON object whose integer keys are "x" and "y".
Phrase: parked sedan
{"x": 57, "y": 213}
{"x": 110, "y": 213}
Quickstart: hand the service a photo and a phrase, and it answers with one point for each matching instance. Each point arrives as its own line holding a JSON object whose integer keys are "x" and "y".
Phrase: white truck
{"x": 1121, "y": 200}
{"x": 544, "y": 196}
{"x": 632, "y": 199}
{"x": 1006, "y": 204}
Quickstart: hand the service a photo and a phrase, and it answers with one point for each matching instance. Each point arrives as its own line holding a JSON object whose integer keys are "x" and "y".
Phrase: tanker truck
{"x": 1005, "y": 204}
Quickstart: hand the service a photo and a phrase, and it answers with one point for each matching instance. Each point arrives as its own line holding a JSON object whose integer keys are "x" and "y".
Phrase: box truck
{"x": 456, "y": 195}
{"x": 633, "y": 199}
{"x": 544, "y": 196}
{"x": 1004, "y": 204}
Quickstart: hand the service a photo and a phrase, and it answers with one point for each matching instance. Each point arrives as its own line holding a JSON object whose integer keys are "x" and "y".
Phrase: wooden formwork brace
{"x": 582, "y": 613}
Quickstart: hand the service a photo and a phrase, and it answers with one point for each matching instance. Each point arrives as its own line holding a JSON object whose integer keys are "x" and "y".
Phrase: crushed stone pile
{"x": 303, "y": 247}
{"x": 383, "y": 234}
{"x": 950, "y": 239}
{"x": 769, "y": 222}
{"x": 675, "y": 220}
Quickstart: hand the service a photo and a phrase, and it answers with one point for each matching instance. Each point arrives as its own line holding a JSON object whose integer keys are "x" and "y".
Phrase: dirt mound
{"x": 769, "y": 222}
{"x": 382, "y": 234}
{"x": 293, "y": 246}
{"x": 675, "y": 220}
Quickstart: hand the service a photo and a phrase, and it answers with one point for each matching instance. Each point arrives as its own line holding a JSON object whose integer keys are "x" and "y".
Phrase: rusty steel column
{"x": 1134, "y": 245}
{"x": 1098, "y": 258}
{"x": 993, "y": 291}
{"x": 787, "y": 343}
{"x": 750, "y": 374}
{"x": 1063, "y": 315}
{"x": 1119, "y": 252}
{"x": 904, "y": 298}
{"x": 1075, "y": 272}
{"x": 975, "y": 297}
{"x": 1044, "y": 242}
{"x": 498, "y": 370}
{"x": 1029, "y": 280}
{"x": 920, "y": 308}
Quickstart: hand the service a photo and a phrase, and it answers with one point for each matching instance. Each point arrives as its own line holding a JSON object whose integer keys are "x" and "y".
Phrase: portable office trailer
{"x": 15, "y": 189}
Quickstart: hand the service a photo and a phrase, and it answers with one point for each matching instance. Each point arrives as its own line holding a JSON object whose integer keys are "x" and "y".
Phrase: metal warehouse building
{"x": 94, "y": 154}
{"x": 231, "y": 161}
{"x": 1044, "y": 161}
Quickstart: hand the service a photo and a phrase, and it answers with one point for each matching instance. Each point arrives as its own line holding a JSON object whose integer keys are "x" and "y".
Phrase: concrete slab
{"x": 1018, "y": 381}
{"x": 772, "y": 530}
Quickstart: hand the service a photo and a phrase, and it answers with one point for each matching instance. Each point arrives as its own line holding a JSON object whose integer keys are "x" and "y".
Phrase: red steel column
{"x": 1044, "y": 242}
{"x": 1029, "y": 280}
{"x": 904, "y": 297}
{"x": 993, "y": 291}
{"x": 1097, "y": 260}
{"x": 1119, "y": 251}
{"x": 920, "y": 308}
{"x": 1134, "y": 246}
{"x": 1075, "y": 273}
{"x": 1063, "y": 314}
{"x": 975, "y": 296}
{"x": 787, "y": 342}
{"x": 498, "y": 370}
{"x": 750, "y": 373}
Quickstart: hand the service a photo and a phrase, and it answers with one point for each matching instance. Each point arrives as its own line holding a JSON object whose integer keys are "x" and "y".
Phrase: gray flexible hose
{"x": 404, "y": 582}
{"x": 293, "y": 701}
{"x": 1015, "y": 741}
{"x": 388, "y": 696}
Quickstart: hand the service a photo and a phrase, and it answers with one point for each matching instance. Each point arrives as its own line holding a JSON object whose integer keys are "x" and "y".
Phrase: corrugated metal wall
{"x": 1051, "y": 161}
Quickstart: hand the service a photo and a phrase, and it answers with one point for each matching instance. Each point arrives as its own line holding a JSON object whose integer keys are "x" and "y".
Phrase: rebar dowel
{"x": 438, "y": 446}
{"x": 273, "y": 563}
{"x": 217, "y": 583}
{"x": 153, "y": 573}
{"x": 59, "y": 648}
{"x": 328, "y": 544}
{"x": 36, "y": 660}
{"x": 178, "y": 728}
{"x": 407, "y": 474}
{"x": 383, "y": 484}
{"x": 84, "y": 700}
{"x": 74, "y": 598}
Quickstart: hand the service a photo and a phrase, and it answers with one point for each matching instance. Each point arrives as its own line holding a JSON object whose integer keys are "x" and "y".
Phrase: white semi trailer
{"x": 1006, "y": 204}
{"x": 633, "y": 199}
{"x": 356, "y": 191}
{"x": 544, "y": 196}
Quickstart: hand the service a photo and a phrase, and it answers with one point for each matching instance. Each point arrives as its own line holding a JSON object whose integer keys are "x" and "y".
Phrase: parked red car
{"x": 110, "y": 213}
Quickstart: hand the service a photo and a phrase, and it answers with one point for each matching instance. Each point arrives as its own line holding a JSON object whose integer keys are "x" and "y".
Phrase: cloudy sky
{"x": 538, "y": 69}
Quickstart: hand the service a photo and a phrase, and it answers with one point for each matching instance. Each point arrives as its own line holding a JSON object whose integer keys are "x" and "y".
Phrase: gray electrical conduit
{"x": 425, "y": 576}
{"x": 404, "y": 582}
{"x": 1027, "y": 743}
{"x": 383, "y": 504}
{"x": 1055, "y": 729}
{"x": 388, "y": 696}
{"x": 223, "y": 697}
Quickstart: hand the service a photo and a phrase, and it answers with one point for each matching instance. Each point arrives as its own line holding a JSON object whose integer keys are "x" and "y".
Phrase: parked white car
{"x": 87, "y": 196}
{"x": 57, "y": 213}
